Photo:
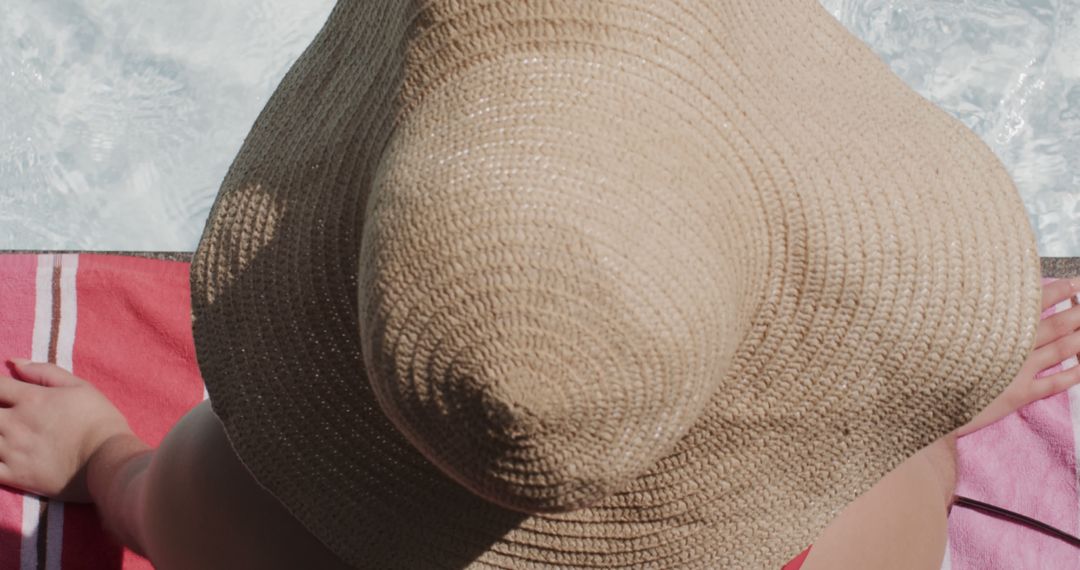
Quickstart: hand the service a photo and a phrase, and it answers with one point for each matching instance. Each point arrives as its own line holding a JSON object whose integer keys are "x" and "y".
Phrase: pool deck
{"x": 1061, "y": 266}
{"x": 1051, "y": 266}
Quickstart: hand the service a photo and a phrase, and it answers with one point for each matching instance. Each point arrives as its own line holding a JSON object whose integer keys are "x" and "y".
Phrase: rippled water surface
{"x": 119, "y": 118}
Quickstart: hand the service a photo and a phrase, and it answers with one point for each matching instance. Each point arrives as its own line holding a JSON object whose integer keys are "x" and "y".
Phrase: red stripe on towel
{"x": 133, "y": 341}
{"x": 17, "y": 294}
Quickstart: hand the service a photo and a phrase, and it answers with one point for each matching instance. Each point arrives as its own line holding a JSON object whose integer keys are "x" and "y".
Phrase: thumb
{"x": 44, "y": 374}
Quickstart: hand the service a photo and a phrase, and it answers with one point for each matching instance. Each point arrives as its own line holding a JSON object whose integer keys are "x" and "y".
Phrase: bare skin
{"x": 901, "y": 522}
{"x": 191, "y": 503}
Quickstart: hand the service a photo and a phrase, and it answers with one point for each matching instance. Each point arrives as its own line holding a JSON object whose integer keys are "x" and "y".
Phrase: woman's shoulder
{"x": 205, "y": 510}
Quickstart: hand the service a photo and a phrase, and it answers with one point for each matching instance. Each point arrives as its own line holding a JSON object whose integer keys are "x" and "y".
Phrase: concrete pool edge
{"x": 1051, "y": 266}
{"x": 1061, "y": 266}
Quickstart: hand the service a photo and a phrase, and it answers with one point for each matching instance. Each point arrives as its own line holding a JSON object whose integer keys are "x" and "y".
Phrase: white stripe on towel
{"x": 65, "y": 346}
{"x": 39, "y": 353}
{"x": 65, "y": 343}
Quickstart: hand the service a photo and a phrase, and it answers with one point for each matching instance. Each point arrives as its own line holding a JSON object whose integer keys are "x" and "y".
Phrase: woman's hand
{"x": 51, "y": 423}
{"x": 1057, "y": 340}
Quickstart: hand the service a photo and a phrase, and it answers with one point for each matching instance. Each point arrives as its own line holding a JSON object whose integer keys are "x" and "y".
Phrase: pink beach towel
{"x": 1026, "y": 463}
{"x": 124, "y": 324}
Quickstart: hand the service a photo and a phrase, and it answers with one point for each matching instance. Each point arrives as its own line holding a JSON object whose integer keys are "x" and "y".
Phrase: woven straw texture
{"x": 606, "y": 284}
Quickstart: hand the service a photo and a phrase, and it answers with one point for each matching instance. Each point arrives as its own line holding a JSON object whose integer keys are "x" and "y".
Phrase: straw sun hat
{"x": 605, "y": 284}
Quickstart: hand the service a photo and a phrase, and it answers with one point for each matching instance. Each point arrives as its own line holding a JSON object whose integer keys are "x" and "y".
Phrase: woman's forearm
{"x": 116, "y": 478}
{"x": 900, "y": 523}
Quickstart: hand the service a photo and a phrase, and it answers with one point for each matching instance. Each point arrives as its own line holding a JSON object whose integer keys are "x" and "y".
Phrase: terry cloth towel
{"x": 1026, "y": 463}
{"x": 123, "y": 323}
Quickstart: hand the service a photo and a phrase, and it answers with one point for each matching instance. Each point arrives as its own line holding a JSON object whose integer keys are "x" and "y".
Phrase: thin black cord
{"x": 1001, "y": 513}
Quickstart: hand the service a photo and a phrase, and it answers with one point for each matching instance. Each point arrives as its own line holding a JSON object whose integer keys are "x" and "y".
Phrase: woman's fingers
{"x": 1057, "y": 291}
{"x": 1058, "y": 326}
{"x": 1057, "y": 351}
{"x": 1057, "y": 382}
{"x": 11, "y": 390}
{"x": 44, "y": 373}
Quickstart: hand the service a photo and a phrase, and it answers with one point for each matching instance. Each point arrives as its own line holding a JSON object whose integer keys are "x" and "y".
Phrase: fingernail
{"x": 20, "y": 361}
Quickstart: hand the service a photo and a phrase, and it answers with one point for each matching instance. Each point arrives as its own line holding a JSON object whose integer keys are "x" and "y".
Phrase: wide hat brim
{"x": 875, "y": 303}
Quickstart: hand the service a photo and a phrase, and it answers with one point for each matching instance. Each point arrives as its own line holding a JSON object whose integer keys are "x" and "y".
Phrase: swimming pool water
{"x": 119, "y": 118}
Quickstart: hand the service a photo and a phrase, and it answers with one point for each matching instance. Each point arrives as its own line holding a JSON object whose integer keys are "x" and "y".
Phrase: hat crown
{"x": 542, "y": 339}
